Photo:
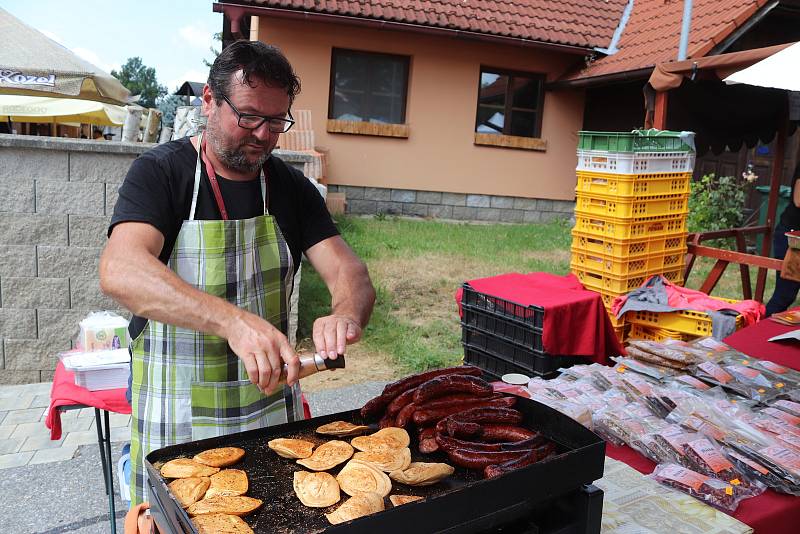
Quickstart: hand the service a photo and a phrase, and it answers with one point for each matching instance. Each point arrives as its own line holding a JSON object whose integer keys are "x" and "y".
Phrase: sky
{"x": 172, "y": 36}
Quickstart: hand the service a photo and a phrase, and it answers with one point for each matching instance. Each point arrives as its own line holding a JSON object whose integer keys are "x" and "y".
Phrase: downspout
{"x": 623, "y": 21}
{"x": 685, "y": 27}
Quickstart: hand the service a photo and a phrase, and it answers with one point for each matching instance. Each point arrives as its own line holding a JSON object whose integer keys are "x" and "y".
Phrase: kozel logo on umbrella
{"x": 18, "y": 78}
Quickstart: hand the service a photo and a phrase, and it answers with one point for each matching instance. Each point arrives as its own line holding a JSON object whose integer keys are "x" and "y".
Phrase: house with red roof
{"x": 470, "y": 109}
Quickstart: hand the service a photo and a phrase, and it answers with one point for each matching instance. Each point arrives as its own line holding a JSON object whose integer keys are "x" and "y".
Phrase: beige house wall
{"x": 439, "y": 154}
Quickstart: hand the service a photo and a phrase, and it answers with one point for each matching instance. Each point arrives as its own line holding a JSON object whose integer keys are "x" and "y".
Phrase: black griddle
{"x": 462, "y": 503}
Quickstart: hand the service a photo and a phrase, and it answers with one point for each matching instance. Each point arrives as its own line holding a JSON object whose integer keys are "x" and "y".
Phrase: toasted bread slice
{"x": 229, "y": 482}
{"x": 422, "y": 473}
{"x": 386, "y": 438}
{"x": 316, "y": 490}
{"x": 399, "y": 500}
{"x": 342, "y": 428}
{"x": 185, "y": 468}
{"x": 222, "y": 457}
{"x": 386, "y": 460}
{"x": 358, "y": 506}
{"x": 328, "y": 455}
{"x": 221, "y": 524}
{"x": 189, "y": 490}
{"x": 223, "y": 504}
{"x": 361, "y": 477}
{"x": 291, "y": 448}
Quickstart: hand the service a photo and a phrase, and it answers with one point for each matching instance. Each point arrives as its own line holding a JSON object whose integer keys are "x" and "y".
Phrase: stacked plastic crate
{"x": 630, "y": 212}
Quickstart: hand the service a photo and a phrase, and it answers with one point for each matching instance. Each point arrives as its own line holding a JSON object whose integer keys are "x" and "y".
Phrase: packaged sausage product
{"x": 712, "y": 491}
{"x": 704, "y": 456}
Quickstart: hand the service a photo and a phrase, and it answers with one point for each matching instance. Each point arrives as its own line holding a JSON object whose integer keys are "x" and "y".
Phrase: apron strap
{"x": 212, "y": 178}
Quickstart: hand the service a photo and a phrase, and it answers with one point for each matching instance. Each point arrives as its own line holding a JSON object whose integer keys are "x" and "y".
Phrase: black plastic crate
{"x": 503, "y": 318}
{"x": 511, "y": 356}
{"x": 493, "y": 368}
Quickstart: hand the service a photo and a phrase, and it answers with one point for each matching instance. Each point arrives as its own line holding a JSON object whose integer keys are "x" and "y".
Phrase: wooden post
{"x": 776, "y": 177}
{"x": 660, "y": 115}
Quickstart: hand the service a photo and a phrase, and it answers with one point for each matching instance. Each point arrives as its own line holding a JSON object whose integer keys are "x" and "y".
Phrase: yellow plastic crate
{"x": 604, "y": 282}
{"x": 633, "y": 185}
{"x": 638, "y": 331}
{"x": 640, "y": 227}
{"x": 695, "y": 323}
{"x": 621, "y": 333}
{"x": 627, "y": 207}
{"x": 628, "y": 248}
{"x": 617, "y": 266}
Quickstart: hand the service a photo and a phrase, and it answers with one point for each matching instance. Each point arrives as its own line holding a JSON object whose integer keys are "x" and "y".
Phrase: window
{"x": 509, "y": 103}
{"x": 368, "y": 87}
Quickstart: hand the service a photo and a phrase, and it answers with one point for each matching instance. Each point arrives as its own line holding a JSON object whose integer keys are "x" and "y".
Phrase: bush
{"x": 716, "y": 203}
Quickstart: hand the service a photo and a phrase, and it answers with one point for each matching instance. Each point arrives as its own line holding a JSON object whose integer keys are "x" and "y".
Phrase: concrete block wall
{"x": 56, "y": 200}
{"x": 453, "y": 206}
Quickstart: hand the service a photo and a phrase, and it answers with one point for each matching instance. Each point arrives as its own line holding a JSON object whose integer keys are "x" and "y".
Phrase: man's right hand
{"x": 263, "y": 349}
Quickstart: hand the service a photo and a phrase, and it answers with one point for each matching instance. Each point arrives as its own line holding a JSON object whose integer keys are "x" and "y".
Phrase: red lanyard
{"x": 212, "y": 177}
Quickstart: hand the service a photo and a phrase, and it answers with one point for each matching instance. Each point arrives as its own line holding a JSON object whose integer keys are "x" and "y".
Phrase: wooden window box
{"x": 511, "y": 141}
{"x": 368, "y": 128}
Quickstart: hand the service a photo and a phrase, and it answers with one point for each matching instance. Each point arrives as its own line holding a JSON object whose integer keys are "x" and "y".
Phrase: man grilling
{"x": 203, "y": 245}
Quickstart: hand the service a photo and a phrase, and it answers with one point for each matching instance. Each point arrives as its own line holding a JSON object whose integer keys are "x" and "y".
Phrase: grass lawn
{"x": 417, "y": 266}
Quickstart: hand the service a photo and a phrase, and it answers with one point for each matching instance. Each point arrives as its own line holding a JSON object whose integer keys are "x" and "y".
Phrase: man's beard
{"x": 232, "y": 156}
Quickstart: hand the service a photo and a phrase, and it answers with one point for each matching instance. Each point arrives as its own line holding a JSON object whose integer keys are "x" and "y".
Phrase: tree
{"x": 140, "y": 80}
{"x": 167, "y": 106}
{"x": 217, "y": 37}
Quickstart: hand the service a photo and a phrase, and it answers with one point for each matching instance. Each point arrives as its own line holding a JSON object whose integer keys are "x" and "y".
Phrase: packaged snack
{"x": 670, "y": 356}
{"x": 650, "y": 370}
{"x": 787, "y": 406}
{"x": 624, "y": 425}
{"x": 671, "y": 440}
{"x": 704, "y": 457}
{"x": 712, "y": 491}
{"x": 692, "y": 382}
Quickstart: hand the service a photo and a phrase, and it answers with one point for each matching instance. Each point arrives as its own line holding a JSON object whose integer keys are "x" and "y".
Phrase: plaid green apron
{"x": 189, "y": 385}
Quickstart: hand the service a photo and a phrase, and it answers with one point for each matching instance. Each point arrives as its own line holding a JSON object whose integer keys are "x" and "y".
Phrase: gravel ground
{"x": 69, "y": 496}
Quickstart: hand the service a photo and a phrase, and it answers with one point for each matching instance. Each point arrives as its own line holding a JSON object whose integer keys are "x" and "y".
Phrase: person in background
{"x": 785, "y": 290}
{"x": 203, "y": 246}
{"x": 97, "y": 134}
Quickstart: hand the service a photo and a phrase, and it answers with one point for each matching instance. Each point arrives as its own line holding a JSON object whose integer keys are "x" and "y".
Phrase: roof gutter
{"x": 744, "y": 28}
{"x": 616, "y": 77}
{"x": 686, "y": 26}
{"x": 236, "y": 11}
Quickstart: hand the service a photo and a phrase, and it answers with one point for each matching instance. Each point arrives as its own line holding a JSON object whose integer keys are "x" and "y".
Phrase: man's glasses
{"x": 251, "y": 122}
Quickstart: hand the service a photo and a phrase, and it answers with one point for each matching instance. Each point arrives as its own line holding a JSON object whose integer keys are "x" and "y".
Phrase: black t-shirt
{"x": 158, "y": 190}
{"x": 790, "y": 218}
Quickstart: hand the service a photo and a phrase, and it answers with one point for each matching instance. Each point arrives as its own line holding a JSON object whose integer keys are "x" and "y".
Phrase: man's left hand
{"x": 333, "y": 333}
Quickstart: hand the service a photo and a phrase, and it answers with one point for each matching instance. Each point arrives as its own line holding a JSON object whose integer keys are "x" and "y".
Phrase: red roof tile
{"x": 652, "y": 33}
{"x": 582, "y": 23}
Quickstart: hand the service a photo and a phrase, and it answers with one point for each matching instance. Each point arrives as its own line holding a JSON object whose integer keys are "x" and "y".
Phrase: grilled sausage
{"x": 396, "y": 388}
{"x": 447, "y": 443}
{"x": 506, "y": 433}
{"x": 386, "y": 421}
{"x": 533, "y": 456}
{"x": 404, "y": 416}
{"x": 400, "y": 401}
{"x": 374, "y": 407}
{"x": 427, "y": 443}
{"x": 449, "y": 400}
{"x": 460, "y": 429}
{"x": 448, "y": 384}
{"x": 425, "y": 415}
{"x": 467, "y": 423}
{"x": 482, "y": 459}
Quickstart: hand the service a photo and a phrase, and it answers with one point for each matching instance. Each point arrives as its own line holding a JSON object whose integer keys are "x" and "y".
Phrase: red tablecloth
{"x": 65, "y": 393}
{"x": 568, "y": 309}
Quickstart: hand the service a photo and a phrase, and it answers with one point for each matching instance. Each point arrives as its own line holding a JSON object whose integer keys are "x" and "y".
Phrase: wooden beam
{"x": 713, "y": 277}
{"x": 731, "y": 256}
{"x": 660, "y": 116}
{"x": 744, "y": 269}
{"x": 378, "y": 129}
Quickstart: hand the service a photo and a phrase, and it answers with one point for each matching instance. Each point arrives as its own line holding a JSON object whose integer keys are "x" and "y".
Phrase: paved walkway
{"x": 25, "y": 440}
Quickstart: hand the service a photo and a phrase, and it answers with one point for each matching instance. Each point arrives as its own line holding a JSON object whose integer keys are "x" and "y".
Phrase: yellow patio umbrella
{"x": 34, "y": 65}
{"x": 59, "y": 110}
